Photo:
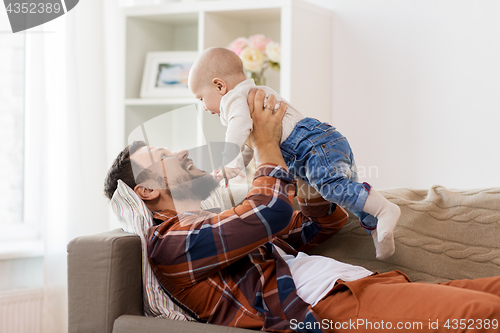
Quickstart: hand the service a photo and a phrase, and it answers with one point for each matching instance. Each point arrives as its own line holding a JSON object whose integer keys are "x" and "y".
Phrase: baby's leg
{"x": 383, "y": 249}
{"x": 349, "y": 193}
{"x": 387, "y": 214}
{"x": 337, "y": 182}
{"x": 385, "y": 211}
{"x": 320, "y": 155}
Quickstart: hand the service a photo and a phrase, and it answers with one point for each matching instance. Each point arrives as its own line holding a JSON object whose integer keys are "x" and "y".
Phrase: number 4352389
{"x": 34, "y": 8}
{"x": 479, "y": 324}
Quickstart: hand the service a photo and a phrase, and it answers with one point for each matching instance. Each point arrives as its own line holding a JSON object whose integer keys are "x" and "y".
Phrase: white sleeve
{"x": 239, "y": 122}
{"x": 239, "y": 126}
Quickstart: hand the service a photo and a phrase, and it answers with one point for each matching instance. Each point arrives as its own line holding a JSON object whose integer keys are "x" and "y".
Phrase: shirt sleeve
{"x": 317, "y": 221}
{"x": 239, "y": 126}
{"x": 190, "y": 252}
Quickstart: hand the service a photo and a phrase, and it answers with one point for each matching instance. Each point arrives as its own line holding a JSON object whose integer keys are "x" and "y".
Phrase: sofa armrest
{"x": 104, "y": 280}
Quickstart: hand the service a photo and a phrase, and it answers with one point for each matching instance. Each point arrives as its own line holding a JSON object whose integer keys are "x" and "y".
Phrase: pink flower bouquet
{"x": 257, "y": 52}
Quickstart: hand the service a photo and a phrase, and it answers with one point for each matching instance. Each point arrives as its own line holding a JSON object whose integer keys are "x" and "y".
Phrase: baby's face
{"x": 209, "y": 96}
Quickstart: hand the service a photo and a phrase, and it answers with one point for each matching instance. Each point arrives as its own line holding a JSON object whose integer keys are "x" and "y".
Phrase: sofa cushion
{"x": 442, "y": 234}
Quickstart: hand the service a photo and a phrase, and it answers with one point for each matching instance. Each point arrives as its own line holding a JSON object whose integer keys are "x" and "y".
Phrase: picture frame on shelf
{"x": 166, "y": 73}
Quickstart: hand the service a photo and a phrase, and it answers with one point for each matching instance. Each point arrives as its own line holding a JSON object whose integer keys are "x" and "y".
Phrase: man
{"x": 245, "y": 267}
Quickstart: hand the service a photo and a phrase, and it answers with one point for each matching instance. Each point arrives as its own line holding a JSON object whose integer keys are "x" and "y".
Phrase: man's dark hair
{"x": 122, "y": 168}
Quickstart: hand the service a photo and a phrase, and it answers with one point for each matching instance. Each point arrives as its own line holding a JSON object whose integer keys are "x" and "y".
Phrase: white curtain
{"x": 75, "y": 102}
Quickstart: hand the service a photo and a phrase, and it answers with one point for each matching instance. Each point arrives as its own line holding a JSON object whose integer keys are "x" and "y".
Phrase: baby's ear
{"x": 220, "y": 85}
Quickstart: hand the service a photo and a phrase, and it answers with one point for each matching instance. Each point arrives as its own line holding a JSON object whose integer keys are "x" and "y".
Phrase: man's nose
{"x": 181, "y": 155}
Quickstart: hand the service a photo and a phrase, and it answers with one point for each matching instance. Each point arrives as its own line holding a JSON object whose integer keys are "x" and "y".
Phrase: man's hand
{"x": 266, "y": 134}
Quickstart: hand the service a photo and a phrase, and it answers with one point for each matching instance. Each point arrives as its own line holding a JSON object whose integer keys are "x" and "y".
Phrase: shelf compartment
{"x": 220, "y": 28}
{"x": 187, "y": 126}
{"x": 146, "y": 35}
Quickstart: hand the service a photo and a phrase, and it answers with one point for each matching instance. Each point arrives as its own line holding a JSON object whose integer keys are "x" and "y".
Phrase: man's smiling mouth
{"x": 189, "y": 165}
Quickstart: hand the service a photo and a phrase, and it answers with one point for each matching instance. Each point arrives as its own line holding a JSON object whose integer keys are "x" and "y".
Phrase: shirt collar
{"x": 164, "y": 214}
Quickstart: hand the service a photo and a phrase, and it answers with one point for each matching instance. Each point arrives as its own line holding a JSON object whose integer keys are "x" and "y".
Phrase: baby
{"x": 314, "y": 151}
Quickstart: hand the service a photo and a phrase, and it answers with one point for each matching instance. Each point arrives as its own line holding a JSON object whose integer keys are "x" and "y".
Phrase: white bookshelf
{"x": 303, "y": 29}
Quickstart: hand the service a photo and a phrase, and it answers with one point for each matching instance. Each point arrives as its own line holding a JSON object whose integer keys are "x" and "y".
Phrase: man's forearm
{"x": 269, "y": 153}
{"x": 327, "y": 219}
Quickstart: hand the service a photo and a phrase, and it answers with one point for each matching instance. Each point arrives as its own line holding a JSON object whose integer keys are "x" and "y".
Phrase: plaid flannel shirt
{"x": 223, "y": 267}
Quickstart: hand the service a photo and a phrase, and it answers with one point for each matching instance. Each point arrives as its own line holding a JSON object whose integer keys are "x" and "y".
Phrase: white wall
{"x": 416, "y": 89}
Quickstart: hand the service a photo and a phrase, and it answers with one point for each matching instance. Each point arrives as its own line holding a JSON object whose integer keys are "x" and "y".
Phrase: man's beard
{"x": 193, "y": 188}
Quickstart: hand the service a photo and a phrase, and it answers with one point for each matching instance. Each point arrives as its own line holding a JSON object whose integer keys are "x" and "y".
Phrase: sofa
{"x": 442, "y": 234}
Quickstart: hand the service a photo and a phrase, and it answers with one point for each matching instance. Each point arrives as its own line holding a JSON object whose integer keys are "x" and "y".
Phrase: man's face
{"x": 180, "y": 176}
{"x": 175, "y": 166}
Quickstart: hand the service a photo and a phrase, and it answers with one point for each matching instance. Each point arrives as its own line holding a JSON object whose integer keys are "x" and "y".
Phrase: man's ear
{"x": 146, "y": 194}
{"x": 220, "y": 85}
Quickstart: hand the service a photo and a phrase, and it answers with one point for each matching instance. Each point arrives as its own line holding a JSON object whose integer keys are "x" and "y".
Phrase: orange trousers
{"x": 389, "y": 302}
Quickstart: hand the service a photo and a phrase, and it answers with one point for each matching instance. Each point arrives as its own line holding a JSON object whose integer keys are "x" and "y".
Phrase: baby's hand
{"x": 228, "y": 173}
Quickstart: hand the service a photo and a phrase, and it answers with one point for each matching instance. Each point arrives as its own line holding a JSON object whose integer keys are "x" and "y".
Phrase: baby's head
{"x": 215, "y": 72}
